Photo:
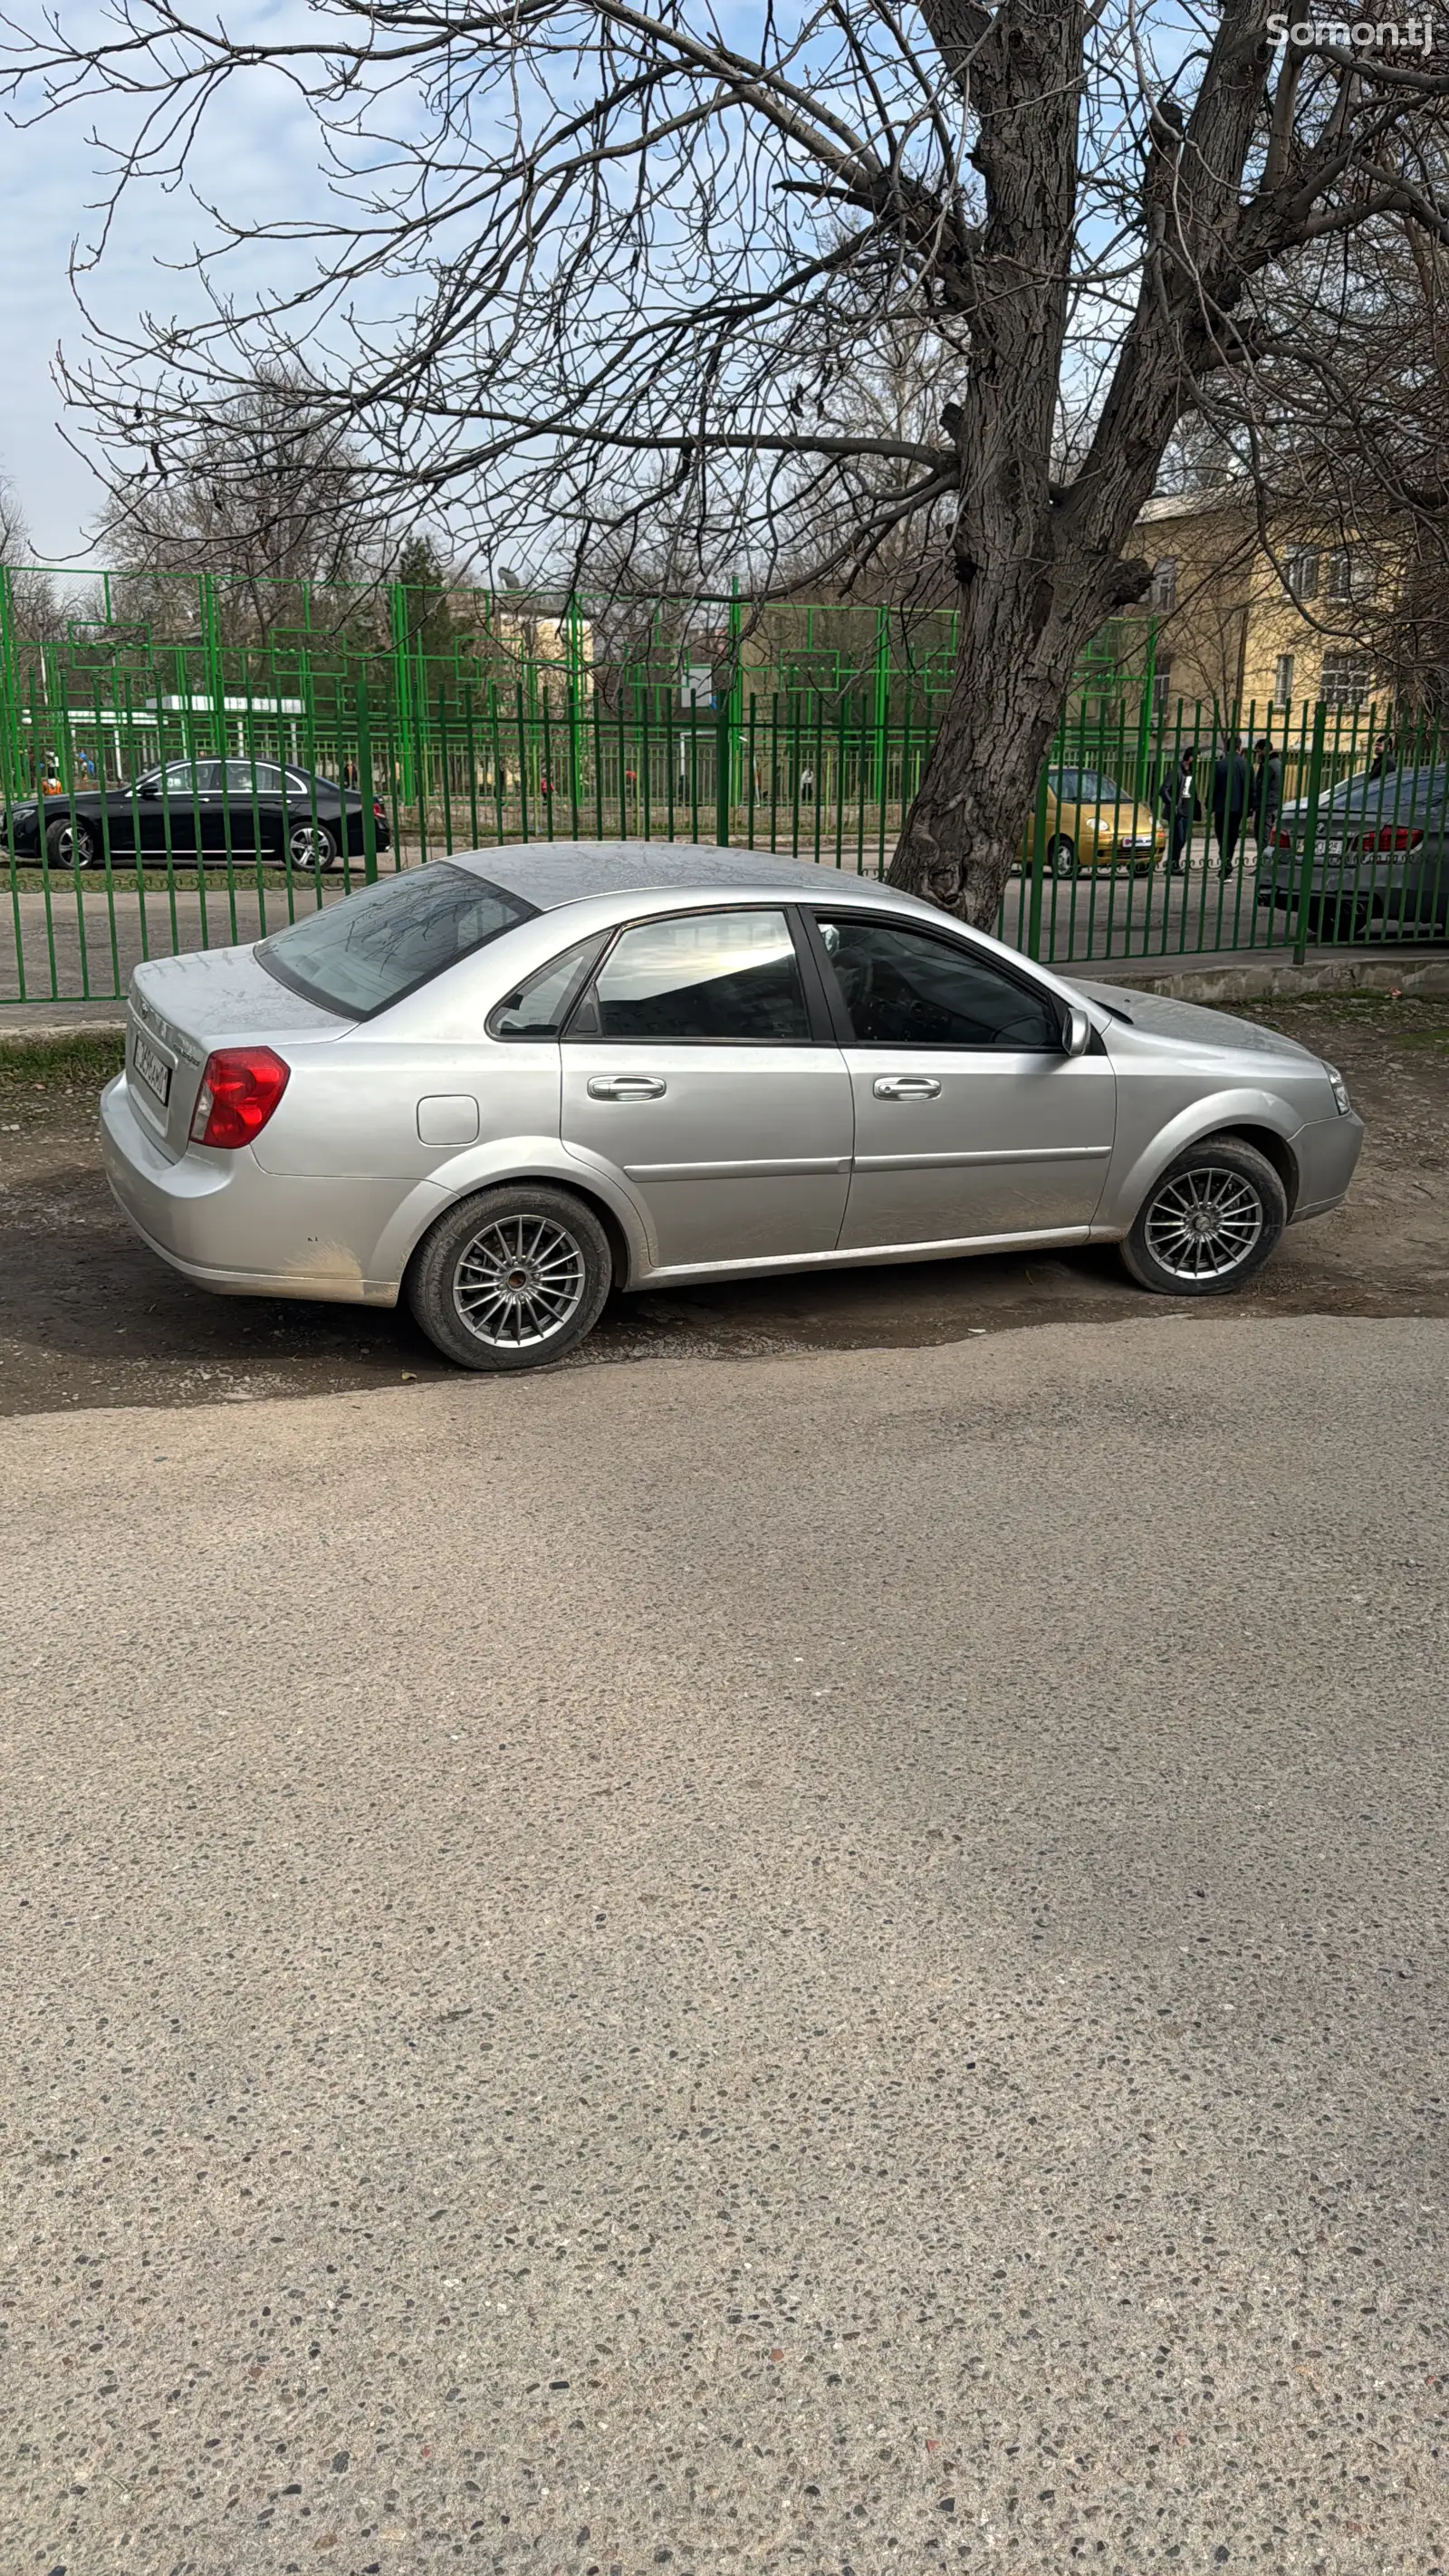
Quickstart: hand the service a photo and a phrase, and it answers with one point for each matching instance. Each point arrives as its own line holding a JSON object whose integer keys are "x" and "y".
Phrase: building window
{"x": 1162, "y": 691}
{"x": 1283, "y": 680}
{"x": 1348, "y": 573}
{"x": 1301, "y": 566}
{"x": 1345, "y": 679}
{"x": 1164, "y": 583}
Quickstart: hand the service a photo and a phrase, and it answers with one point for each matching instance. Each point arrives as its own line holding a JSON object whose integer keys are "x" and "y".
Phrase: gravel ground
{"x": 89, "y": 1317}
{"x": 830, "y": 1964}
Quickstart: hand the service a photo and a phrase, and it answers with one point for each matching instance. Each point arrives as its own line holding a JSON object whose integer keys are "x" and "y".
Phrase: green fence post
{"x": 1310, "y": 831}
{"x": 14, "y": 783}
{"x": 364, "y": 782}
{"x": 215, "y": 669}
{"x": 402, "y": 685}
{"x": 1038, "y": 867}
{"x": 881, "y": 707}
{"x": 574, "y": 676}
{"x": 722, "y": 774}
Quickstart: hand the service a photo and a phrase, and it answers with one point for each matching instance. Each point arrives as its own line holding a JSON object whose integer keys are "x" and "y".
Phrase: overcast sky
{"x": 260, "y": 155}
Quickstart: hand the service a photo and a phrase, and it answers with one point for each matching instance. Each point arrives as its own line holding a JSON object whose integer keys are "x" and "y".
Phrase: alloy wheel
{"x": 72, "y": 848}
{"x": 311, "y": 846}
{"x": 1204, "y": 1223}
{"x": 519, "y": 1282}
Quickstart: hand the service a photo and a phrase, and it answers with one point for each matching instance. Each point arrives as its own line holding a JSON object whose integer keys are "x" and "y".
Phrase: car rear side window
{"x": 539, "y": 1006}
{"x": 903, "y": 988}
{"x": 730, "y": 977}
{"x": 358, "y": 956}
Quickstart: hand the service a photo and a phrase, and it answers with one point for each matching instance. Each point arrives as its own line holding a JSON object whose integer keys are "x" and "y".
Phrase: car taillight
{"x": 1392, "y": 836}
{"x": 240, "y": 1088}
{"x": 1285, "y": 840}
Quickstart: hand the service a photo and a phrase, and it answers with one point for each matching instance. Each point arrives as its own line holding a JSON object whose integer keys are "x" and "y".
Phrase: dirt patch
{"x": 89, "y": 1317}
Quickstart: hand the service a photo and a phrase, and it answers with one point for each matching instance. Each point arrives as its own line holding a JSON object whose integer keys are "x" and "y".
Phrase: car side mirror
{"x": 1077, "y": 1035}
{"x": 150, "y": 787}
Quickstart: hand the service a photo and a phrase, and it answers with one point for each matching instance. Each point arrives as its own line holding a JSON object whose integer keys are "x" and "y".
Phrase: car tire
{"x": 1061, "y": 857}
{"x": 312, "y": 845}
{"x": 512, "y": 1278}
{"x": 1173, "y": 1251}
{"x": 68, "y": 845}
{"x": 1334, "y": 920}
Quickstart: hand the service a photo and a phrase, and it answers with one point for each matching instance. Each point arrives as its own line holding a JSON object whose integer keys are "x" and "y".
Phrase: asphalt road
{"x": 827, "y": 1963}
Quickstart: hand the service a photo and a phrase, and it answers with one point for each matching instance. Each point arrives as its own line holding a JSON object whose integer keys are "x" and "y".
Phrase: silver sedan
{"x": 502, "y": 1084}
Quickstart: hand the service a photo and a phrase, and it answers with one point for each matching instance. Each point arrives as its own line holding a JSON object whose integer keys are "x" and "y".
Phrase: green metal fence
{"x": 1332, "y": 836}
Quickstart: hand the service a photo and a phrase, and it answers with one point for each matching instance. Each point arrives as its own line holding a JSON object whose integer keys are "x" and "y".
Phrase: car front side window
{"x": 905, "y": 988}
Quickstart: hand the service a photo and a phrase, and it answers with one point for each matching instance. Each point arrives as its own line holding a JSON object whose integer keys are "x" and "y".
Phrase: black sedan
{"x": 211, "y": 810}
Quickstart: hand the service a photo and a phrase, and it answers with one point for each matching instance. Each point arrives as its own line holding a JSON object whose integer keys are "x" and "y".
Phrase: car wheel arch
{"x": 1273, "y": 1147}
{"x": 1253, "y": 1117}
{"x": 427, "y": 1206}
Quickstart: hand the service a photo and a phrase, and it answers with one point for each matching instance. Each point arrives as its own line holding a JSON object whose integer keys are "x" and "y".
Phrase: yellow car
{"x": 1091, "y": 822}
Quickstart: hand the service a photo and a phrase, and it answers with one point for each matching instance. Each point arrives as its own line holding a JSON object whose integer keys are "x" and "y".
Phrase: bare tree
{"x": 651, "y": 241}
{"x": 1342, "y": 429}
{"x": 264, "y": 495}
{"x": 37, "y": 615}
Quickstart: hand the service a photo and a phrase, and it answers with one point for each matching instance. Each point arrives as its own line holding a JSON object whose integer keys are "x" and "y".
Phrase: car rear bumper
{"x": 230, "y": 1226}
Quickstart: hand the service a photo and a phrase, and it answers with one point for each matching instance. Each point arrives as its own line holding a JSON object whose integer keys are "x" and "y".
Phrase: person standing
{"x": 1181, "y": 810}
{"x": 1267, "y": 793}
{"x": 1230, "y": 800}
{"x": 1383, "y": 756}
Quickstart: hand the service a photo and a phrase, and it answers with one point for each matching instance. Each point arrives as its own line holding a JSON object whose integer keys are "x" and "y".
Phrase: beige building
{"x": 1240, "y": 622}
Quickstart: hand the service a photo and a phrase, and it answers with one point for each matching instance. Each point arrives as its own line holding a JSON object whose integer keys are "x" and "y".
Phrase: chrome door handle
{"x": 627, "y": 1086}
{"x": 907, "y": 1086}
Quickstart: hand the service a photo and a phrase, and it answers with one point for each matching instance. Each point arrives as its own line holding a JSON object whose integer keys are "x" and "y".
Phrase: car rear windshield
{"x": 1393, "y": 791}
{"x": 357, "y": 956}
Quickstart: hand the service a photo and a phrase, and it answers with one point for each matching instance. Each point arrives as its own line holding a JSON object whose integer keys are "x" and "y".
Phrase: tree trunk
{"x": 976, "y": 800}
{"x": 1020, "y": 606}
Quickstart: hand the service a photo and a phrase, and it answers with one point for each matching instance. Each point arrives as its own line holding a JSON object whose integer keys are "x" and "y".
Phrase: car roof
{"x": 551, "y": 873}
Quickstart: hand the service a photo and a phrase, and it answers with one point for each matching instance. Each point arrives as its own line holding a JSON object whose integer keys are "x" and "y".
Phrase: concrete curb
{"x": 32, "y": 1023}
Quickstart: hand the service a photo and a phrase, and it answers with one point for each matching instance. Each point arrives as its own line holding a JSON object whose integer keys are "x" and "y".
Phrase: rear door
{"x": 178, "y": 817}
{"x": 971, "y": 1121}
{"x": 697, "y": 1073}
{"x": 253, "y": 805}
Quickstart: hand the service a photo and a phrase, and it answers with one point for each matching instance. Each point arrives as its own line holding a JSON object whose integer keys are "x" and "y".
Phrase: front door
{"x": 694, "y": 1074}
{"x": 971, "y": 1120}
{"x": 252, "y": 788}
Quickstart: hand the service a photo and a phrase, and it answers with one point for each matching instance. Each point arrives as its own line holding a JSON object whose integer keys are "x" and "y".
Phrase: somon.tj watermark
{"x": 1355, "y": 35}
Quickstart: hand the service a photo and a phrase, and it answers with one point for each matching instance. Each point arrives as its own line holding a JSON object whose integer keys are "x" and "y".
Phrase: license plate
{"x": 152, "y": 1069}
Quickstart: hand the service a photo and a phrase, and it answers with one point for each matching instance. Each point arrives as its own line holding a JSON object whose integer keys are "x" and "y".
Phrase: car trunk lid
{"x": 180, "y": 1008}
